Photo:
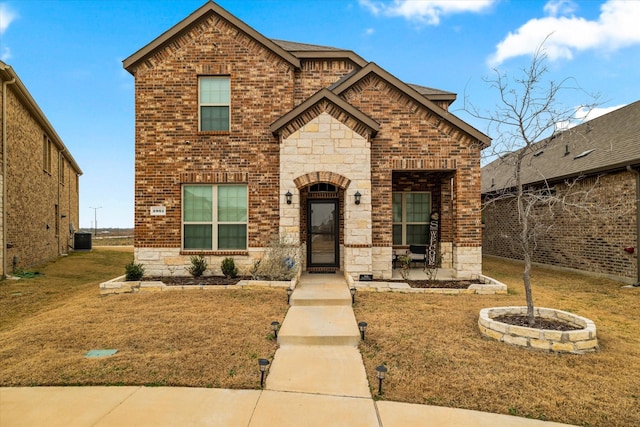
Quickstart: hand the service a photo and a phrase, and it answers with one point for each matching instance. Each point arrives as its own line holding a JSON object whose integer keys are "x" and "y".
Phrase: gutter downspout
{"x": 637, "y": 172}
{"x": 4, "y": 174}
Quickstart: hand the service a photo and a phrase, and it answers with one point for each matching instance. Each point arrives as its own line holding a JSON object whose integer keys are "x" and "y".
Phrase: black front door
{"x": 323, "y": 241}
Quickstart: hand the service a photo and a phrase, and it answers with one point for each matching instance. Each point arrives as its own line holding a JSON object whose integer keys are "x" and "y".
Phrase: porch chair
{"x": 418, "y": 253}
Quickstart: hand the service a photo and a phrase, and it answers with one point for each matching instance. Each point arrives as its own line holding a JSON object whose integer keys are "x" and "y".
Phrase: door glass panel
{"x": 322, "y": 233}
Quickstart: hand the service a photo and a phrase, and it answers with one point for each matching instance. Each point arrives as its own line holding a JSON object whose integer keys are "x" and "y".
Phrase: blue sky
{"x": 69, "y": 55}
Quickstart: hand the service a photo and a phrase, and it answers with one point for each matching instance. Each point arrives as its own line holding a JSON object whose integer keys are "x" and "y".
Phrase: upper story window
{"x": 46, "y": 154}
{"x": 214, "y": 99}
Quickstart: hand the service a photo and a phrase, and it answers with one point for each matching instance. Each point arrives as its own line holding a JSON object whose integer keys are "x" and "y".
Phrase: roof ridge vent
{"x": 584, "y": 154}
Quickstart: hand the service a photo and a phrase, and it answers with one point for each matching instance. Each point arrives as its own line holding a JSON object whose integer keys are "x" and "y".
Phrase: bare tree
{"x": 526, "y": 119}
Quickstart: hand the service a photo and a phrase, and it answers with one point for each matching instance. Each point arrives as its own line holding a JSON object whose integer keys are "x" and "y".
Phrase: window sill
{"x": 241, "y": 252}
{"x": 214, "y": 132}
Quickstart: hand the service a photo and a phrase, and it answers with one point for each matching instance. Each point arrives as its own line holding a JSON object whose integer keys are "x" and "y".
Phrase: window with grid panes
{"x": 411, "y": 212}
{"x": 214, "y": 99}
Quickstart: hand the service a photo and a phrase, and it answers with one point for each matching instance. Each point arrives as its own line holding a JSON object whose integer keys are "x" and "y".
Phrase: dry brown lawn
{"x": 209, "y": 338}
{"x": 430, "y": 343}
{"x": 435, "y": 354}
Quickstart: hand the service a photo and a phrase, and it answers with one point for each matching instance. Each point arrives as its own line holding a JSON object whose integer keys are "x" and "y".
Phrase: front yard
{"x": 430, "y": 343}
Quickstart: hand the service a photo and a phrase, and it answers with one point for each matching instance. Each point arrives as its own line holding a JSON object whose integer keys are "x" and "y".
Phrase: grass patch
{"x": 197, "y": 338}
{"x": 435, "y": 354}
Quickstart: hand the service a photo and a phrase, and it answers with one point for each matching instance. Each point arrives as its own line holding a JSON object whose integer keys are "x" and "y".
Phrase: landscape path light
{"x": 275, "y": 325}
{"x": 264, "y": 365}
{"x": 381, "y": 370}
{"x": 353, "y": 295}
{"x": 362, "y": 326}
{"x": 289, "y": 292}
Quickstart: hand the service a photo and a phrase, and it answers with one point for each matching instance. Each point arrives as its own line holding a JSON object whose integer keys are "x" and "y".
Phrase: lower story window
{"x": 411, "y": 213}
{"x": 214, "y": 217}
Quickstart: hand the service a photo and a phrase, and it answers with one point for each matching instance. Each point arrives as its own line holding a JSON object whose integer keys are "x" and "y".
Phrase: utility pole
{"x": 95, "y": 219}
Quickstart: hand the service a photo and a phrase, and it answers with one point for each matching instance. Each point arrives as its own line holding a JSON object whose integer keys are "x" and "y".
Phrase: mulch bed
{"x": 441, "y": 284}
{"x": 203, "y": 280}
{"x": 538, "y": 323}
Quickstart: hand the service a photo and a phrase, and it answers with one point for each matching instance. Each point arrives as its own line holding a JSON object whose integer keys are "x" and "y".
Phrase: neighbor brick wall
{"x": 167, "y": 116}
{"x": 32, "y": 193}
{"x": 591, "y": 238}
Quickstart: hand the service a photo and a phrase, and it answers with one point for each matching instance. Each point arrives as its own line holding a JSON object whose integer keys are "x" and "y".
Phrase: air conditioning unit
{"x": 82, "y": 241}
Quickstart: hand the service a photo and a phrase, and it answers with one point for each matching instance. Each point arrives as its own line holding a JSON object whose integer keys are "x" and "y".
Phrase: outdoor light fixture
{"x": 289, "y": 292}
{"x": 353, "y": 295}
{"x": 357, "y": 196}
{"x": 263, "y": 363}
{"x": 362, "y": 326}
{"x": 275, "y": 325}
{"x": 288, "y": 196}
{"x": 629, "y": 250}
{"x": 382, "y": 370}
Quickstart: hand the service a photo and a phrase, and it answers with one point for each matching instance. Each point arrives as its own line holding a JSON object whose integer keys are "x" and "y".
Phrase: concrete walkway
{"x": 317, "y": 378}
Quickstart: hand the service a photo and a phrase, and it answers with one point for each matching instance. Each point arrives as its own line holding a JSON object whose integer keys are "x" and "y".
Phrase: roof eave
{"x": 183, "y": 25}
{"x": 484, "y": 140}
{"x": 330, "y": 96}
{"x": 330, "y": 54}
{"x": 8, "y": 74}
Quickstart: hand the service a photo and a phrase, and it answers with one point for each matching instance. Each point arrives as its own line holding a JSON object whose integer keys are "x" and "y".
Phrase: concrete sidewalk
{"x": 317, "y": 378}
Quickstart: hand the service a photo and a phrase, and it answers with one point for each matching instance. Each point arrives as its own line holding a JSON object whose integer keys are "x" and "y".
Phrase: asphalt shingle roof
{"x": 606, "y": 143}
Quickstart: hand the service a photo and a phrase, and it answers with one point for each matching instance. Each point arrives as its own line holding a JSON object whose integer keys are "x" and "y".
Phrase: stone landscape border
{"x": 577, "y": 342}
{"x": 120, "y": 286}
{"x": 489, "y": 286}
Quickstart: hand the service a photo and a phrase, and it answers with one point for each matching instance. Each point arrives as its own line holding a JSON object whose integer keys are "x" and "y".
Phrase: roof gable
{"x": 352, "y": 79}
{"x": 325, "y": 100}
{"x": 606, "y": 143}
{"x": 208, "y": 8}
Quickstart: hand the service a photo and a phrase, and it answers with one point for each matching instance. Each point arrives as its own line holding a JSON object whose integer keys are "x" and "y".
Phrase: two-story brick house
{"x": 240, "y": 137}
{"x": 39, "y": 200}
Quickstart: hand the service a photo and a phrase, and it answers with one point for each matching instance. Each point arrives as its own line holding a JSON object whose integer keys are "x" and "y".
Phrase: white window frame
{"x": 202, "y": 104}
{"x": 404, "y": 223}
{"x": 214, "y": 218}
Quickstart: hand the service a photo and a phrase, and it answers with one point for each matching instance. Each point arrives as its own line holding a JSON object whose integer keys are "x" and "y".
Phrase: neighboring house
{"x": 39, "y": 181}
{"x": 597, "y": 229}
{"x": 240, "y": 138}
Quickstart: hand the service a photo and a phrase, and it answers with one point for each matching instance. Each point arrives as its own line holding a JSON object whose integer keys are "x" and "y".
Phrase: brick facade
{"x": 42, "y": 197}
{"x": 589, "y": 239}
{"x": 329, "y": 142}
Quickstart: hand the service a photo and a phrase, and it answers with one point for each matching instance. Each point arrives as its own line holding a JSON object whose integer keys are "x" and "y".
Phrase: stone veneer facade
{"x": 324, "y": 144}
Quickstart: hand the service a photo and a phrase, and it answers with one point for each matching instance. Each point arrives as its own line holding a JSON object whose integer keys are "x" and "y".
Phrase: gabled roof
{"x": 371, "y": 67}
{"x": 7, "y": 74}
{"x": 311, "y": 51}
{"x": 325, "y": 94}
{"x": 605, "y": 144}
{"x": 209, "y": 7}
{"x": 434, "y": 94}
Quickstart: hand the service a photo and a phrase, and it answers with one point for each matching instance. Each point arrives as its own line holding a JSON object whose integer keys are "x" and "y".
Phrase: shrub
{"x": 229, "y": 268}
{"x": 198, "y": 266}
{"x": 281, "y": 260}
{"x": 133, "y": 271}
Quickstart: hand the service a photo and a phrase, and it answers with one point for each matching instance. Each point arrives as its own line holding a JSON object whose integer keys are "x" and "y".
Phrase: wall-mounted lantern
{"x": 357, "y": 197}
{"x": 288, "y": 196}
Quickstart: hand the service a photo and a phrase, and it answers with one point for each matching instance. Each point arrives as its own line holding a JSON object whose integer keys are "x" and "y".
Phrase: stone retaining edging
{"x": 489, "y": 286}
{"x": 578, "y": 341}
{"x": 119, "y": 286}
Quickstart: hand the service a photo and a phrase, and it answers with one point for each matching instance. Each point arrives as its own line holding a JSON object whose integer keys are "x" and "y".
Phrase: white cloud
{"x": 616, "y": 27}
{"x": 5, "y": 53}
{"x": 7, "y": 16}
{"x": 425, "y": 11}
{"x": 584, "y": 114}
